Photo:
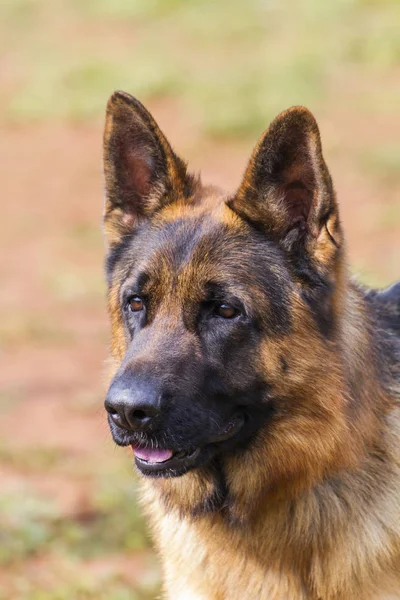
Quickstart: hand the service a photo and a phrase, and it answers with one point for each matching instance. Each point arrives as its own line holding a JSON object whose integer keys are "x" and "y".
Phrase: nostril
{"x": 110, "y": 409}
{"x": 139, "y": 414}
{"x": 141, "y": 417}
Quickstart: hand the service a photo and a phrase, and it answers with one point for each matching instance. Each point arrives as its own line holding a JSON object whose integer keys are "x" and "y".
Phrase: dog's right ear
{"x": 142, "y": 173}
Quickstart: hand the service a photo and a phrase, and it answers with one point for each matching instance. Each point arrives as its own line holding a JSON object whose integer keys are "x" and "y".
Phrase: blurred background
{"x": 213, "y": 73}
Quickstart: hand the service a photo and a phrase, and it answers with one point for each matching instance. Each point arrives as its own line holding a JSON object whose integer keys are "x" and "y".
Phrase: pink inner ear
{"x": 138, "y": 173}
{"x": 128, "y": 220}
{"x": 298, "y": 200}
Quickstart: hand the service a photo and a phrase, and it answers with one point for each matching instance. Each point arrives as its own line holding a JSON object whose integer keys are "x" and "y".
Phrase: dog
{"x": 256, "y": 383}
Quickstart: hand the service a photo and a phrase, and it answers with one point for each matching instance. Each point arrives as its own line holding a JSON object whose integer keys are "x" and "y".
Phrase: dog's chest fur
{"x": 337, "y": 541}
{"x": 198, "y": 560}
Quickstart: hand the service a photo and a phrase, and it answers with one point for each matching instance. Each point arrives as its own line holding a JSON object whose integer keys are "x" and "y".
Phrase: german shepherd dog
{"x": 258, "y": 386}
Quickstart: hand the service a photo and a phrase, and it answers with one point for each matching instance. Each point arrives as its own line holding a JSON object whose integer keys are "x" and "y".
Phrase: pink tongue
{"x": 152, "y": 455}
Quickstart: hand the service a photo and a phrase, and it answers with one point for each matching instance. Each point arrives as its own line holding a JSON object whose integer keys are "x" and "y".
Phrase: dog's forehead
{"x": 181, "y": 257}
{"x": 203, "y": 242}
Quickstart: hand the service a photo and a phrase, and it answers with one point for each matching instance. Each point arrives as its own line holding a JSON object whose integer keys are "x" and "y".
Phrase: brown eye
{"x": 136, "y": 304}
{"x": 225, "y": 311}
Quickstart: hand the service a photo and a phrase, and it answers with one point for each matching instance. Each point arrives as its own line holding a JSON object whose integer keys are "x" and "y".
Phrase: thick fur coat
{"x": 244, "y": 313}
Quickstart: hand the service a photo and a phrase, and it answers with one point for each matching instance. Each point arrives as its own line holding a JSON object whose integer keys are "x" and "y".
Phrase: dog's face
{"x": 196, "y": 298}
{"x": 222, "y": 307}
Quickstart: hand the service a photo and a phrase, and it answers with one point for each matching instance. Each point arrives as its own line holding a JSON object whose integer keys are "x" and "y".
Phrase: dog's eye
{"x": 135, "y": 304}
{"x": 225, "y": 311}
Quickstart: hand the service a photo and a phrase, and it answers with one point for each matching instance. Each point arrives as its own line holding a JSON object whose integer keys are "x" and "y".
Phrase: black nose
{"x": 133, "y": 404}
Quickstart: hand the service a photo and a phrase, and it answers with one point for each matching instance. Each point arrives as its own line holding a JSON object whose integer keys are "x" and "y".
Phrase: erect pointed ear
{"x": 142, "y": 173}
{"x": 287, "y": 190}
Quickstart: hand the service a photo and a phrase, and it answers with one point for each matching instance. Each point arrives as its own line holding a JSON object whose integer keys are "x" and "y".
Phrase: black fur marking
{"x": 284, "y": 365}
{"x": 318, "y": 293}
{"x": 115, "y": 255}
{"x": 217, "y": 500}
{"x": 319, "y": 300}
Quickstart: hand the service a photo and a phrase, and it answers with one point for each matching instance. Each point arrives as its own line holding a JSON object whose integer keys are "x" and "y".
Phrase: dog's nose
{"x": 133, "y": 405}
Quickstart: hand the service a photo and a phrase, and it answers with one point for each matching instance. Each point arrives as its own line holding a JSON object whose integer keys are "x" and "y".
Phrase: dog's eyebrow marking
{"x": 134, "y": 286}
{"x": 115, "y": 255}
{"x": 216, "y": 290}
{"x": 141, "y": 280}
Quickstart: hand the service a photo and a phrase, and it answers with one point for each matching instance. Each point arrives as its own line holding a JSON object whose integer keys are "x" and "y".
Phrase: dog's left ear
{"x": 287, "y": 191}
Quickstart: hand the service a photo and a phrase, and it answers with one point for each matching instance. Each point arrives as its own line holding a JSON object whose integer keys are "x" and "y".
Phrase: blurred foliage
{"x": 37, "y": 459}
{"x": 384, "y": 162}
{"x": 29, "y": 328}
{"x": 32, "y": 527}
{"x": 278, "y": 53}
{"x": 24, "y": 525}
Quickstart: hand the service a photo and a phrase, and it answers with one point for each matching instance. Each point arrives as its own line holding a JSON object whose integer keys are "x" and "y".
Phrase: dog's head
{"x": 224, "y": 308}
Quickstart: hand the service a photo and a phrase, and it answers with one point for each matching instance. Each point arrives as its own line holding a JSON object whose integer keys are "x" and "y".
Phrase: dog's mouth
{"x": 167, "y": 462}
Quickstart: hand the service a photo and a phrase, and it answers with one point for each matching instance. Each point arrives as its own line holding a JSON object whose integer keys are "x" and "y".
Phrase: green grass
{"x": 82, "y": 589}
{"x": 127, "y": 9}
{"x": 363, "y": 274}
{"x": 390, "y": 217}
{"x": 383, "y": 162}
{"x": 69, "y": 284}
{"x": 10, "y": 397}
{"x": 233, "y": 64}
{"x": 37, "y": 459}
{"x": 25, "y": 525}
{"x": 31, "y": 527}
{"x": 32, "y": 328}
{"x": 86, "y": 235}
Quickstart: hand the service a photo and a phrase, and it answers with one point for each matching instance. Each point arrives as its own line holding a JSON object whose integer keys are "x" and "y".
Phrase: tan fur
{"x": 336, "y": 537}
{"x": 314, "y": 502}
{"x": 333, "y": 531}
